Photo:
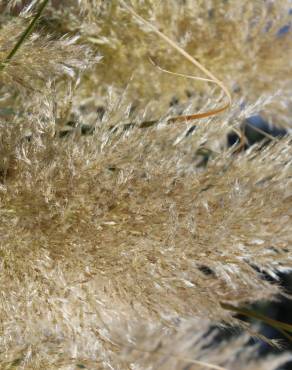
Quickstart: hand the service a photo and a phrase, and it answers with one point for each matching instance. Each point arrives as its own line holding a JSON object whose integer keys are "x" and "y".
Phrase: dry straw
{"x": 188, "y": 57}
{"x": 120, "y": 247}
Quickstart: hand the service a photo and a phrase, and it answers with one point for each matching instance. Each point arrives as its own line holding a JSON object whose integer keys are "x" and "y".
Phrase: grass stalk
{"x": 24, "y": 35}
{"x": 282, "y": 327}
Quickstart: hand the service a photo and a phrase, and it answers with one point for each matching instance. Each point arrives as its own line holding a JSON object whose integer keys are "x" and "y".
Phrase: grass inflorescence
{"x": 130, "y": 228}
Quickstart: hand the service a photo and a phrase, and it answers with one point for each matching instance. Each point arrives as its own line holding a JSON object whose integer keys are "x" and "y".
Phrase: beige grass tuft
{"x": 118, "y": 244}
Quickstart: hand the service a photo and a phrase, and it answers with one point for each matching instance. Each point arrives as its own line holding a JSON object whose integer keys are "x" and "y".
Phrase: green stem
{"x": 24, "y": 35}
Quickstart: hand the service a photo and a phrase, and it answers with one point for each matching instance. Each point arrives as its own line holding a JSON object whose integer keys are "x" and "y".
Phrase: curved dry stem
{"x": 179, "y": 74}
{"x": 187, "y": 56}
